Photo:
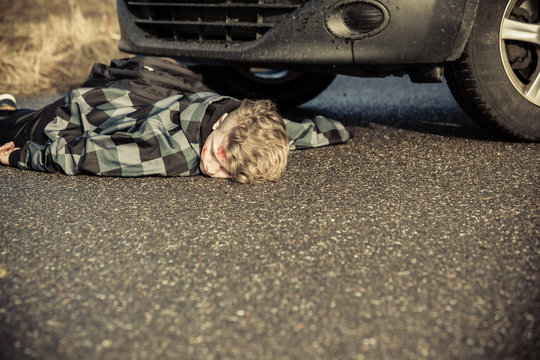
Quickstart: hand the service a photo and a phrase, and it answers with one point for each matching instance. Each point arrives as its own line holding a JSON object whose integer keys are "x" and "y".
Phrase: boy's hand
{"x": 5, "y": 150}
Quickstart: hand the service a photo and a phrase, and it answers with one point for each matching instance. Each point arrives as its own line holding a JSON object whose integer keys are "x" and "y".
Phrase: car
{"x": 290, "y": 50}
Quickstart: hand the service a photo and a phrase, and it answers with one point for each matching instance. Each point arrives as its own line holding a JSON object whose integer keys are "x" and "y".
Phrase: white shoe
{"x": 7, "y": 102}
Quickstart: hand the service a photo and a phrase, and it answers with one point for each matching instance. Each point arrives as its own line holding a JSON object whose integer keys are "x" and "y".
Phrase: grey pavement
{"x": 419, "y": 239}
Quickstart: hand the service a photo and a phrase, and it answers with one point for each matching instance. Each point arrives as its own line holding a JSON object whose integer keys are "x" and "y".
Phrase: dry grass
{"x": 50, "y": 45}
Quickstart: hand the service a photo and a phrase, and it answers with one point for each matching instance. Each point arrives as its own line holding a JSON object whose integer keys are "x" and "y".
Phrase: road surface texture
{"x": 419, "y": 239}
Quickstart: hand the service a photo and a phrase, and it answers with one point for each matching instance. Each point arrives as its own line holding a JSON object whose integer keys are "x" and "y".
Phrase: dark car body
{"x": 489, "y": 50}
{"x": 306, "y": 34}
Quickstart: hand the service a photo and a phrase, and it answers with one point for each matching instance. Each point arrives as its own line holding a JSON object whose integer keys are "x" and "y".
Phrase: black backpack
{"x": 153, "y": 77}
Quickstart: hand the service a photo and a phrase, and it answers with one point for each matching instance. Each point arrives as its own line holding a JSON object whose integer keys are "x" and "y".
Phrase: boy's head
{"x": 249, "y": 145}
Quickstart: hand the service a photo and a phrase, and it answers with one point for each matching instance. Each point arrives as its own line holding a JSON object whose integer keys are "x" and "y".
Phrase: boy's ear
{"x": 220, "y": 120}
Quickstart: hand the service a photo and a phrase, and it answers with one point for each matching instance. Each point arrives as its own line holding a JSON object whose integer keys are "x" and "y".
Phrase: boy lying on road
{"x": 153, "y": 116}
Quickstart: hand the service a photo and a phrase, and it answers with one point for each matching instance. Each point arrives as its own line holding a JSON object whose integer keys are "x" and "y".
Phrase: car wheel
{"x": 497, "y": 79}
{"x": 286, "y": 88}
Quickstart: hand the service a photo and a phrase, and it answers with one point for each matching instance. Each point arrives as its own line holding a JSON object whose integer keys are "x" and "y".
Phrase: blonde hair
{"x": 257, "y": 142}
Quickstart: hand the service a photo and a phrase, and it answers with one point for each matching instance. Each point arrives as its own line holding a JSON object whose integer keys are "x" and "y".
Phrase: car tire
{"x": 497, "y": 79}
{"x": 286, "y": 88}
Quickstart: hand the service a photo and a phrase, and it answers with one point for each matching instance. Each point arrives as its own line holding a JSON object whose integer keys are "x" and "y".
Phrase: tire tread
{"x": 465, "y": 88}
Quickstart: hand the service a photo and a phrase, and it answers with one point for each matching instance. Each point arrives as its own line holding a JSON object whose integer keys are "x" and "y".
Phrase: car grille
{"x": 210, "y": 20}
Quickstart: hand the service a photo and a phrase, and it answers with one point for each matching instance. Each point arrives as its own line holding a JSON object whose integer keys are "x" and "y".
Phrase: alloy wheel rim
{"x": 269, "y": 76}
{"x": 520, "y": 47}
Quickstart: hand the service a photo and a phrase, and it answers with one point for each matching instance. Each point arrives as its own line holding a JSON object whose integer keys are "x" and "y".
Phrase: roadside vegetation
{"x": 49, "y": 46}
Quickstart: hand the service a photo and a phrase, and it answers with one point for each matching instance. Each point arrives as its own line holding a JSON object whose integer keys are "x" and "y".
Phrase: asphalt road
{"x": 419, "y": 239}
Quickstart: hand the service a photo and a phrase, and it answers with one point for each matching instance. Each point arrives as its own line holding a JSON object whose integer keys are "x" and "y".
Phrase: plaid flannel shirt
{"x": 116, "y": 132}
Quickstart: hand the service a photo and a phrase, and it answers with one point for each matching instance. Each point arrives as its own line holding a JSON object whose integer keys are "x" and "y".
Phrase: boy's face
{"x": 213, "y": 155}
